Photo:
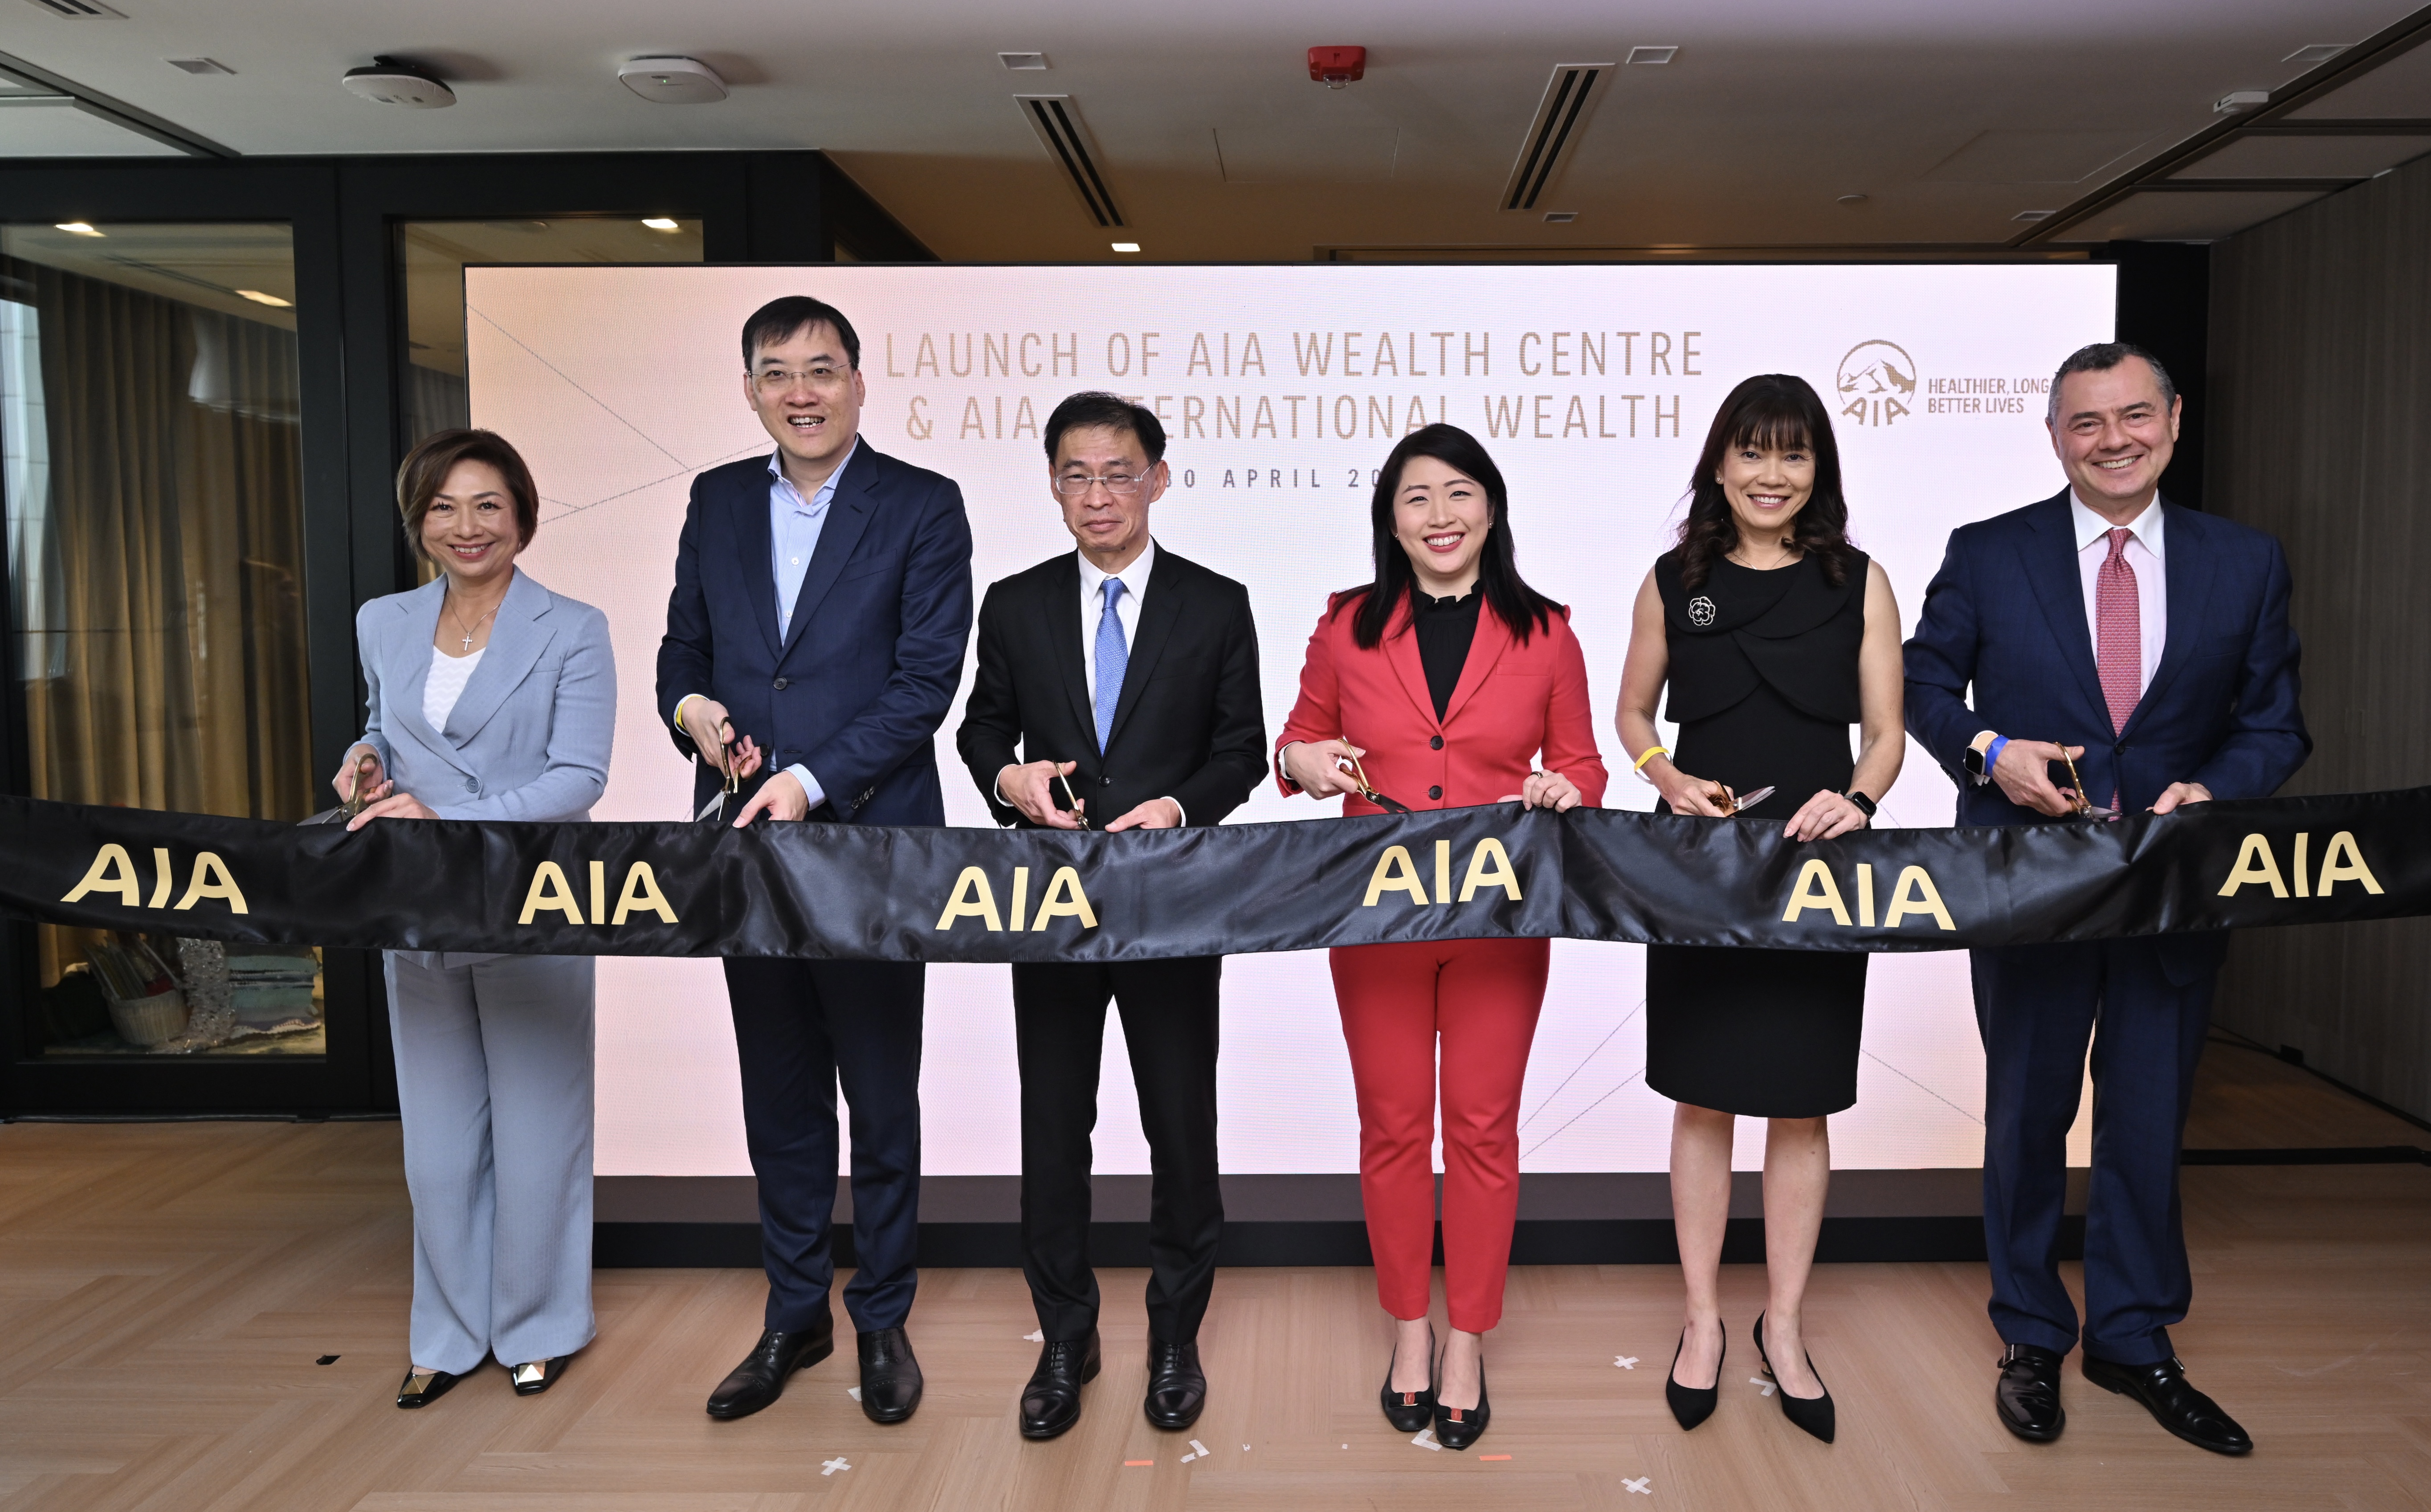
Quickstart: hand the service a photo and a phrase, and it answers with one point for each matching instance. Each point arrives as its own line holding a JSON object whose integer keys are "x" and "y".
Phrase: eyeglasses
{"x": 778, "y": 380}
{"x": 1077, "y": 485}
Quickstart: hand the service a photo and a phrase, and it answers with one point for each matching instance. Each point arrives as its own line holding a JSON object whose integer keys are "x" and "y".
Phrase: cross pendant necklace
{"x": 474, "y": 630}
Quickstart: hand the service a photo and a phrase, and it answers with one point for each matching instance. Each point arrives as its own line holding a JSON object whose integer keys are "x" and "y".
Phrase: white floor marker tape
{"x": 1643, "y": 1486}
{"x": 1036, "y": 1335}
{"x": 1188, "y": 1459}
{"x": 834, "y": 1464}
{"x": 1627, "y": 1362}
{"x": 1426, "y": 1440}
{"x": 1203, "y": 1448}
{"x": 1761, "y": 1383}
{"x": 853, "y": 1392}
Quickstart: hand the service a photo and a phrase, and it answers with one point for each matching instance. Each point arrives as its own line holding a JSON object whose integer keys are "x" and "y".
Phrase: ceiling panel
{"x": 2322, "y": 157}
{"x": 2399, "y": 90}
{"x": 2181, "y": 215}
{"x": 44, "y": 129}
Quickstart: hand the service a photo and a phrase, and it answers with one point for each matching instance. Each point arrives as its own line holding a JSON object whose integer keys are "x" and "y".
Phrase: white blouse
{"x": 448, "y": 675}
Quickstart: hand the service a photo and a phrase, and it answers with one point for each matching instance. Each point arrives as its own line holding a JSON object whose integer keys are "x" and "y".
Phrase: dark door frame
{"x": 763, "y": 206}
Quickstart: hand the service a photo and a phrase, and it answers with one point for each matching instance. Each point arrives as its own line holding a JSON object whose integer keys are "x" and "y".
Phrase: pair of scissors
{"x": 1365, "y": 789}
{"x": 1734, "y": 803}
{"x": 2083, "y": 806}
{"x": 715, "y": 807}
{"x": 358, "y": 791}
{"x": 1072, "y": 804}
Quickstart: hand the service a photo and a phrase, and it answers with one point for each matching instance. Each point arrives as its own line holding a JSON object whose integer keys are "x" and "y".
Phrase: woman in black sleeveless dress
{"x": 1775, "y": 635}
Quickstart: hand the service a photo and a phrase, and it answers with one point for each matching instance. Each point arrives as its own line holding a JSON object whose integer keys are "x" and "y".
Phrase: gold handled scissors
{"x": 1072, "y": 804}
{"x": 1733, "y": 803}
{"x": 1346, "y": 763}
{"x": 358, "y": 792}
{"x": 715, "y": 807}
{"x": 2077, "y": 800}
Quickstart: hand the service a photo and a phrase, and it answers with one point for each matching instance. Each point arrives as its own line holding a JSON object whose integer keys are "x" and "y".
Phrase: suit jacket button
{"x": 471, "y": 785}
{"x": 778, "y": 684}
{"x": 1434, "y": 792}
{"x": 1435, "y": 743}
{"x": 1105, "y": 782}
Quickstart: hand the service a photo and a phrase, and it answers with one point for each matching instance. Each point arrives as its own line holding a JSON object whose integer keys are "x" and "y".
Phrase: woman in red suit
{"x": 1444, "y": 678}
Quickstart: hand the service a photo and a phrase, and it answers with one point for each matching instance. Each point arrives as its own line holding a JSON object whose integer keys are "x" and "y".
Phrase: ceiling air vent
{"x": 1554, "y": 136}
{"x": 1057, "y": 121}
{"x": 78, "y": 10}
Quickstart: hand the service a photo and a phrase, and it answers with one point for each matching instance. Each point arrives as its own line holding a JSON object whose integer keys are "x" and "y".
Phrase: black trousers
{"x": 1171, "y": 1026}
{"x": 799, "y": 1027}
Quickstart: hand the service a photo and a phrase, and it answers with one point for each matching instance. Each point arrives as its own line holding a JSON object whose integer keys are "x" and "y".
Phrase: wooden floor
{"x": 166, "y": 1289}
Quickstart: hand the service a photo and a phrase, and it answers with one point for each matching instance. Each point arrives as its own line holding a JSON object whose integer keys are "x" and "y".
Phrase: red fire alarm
{"x": 1333, "y": 67}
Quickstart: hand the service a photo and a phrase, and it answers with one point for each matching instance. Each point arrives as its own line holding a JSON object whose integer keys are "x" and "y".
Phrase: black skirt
{"x": 1763, "y": 1033}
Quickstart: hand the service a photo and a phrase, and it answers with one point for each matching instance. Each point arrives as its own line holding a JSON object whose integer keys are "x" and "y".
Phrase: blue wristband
{"x": 1992, "y": 754}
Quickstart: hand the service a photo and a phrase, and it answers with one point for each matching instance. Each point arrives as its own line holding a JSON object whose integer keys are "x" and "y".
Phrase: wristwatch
{"x": 1981, "y": 753}
{"x": 1865, "y": 805}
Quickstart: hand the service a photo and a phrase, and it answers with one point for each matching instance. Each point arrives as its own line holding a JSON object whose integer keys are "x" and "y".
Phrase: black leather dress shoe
{"x": 1409, "y": 1412}
{"x": 890, "y": 1376}
{"x": 537, "y": 1377}
{"x": 423, "y": 1388}
{"x": 761, "y": 1378}
{"x": 1459, "y": 1427}
{"x": 1177, "y": 1387}
{"x": 1051, "y": 1402}
{"x": 2027, "y": 1394}
{"x": 2163, "y": 1389}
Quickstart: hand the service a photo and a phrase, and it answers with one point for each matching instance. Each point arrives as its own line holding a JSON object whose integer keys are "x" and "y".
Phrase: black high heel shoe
{"x": 1691, "y": 1405}
{"x": 1411, "y": 1411}
{"x": 423, "y": 1388}
{"x": 1813, "y": 1414}
{"x": 1459, "y": 1427}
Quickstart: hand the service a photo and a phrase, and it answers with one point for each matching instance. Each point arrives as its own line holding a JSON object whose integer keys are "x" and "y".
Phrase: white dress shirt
{"x": 2147, "y": 556}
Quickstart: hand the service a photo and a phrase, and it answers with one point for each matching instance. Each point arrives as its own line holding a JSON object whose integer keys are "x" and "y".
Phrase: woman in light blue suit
{"x": 491, "y": 699}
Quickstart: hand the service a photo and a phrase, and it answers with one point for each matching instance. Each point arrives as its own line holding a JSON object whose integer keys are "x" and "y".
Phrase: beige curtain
{"x": 168, "y": 669}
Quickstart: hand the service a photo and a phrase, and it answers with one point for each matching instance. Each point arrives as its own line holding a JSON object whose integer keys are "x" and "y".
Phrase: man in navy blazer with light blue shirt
{"x": 815, "y": 643}
{"x": 2149, "y": 645}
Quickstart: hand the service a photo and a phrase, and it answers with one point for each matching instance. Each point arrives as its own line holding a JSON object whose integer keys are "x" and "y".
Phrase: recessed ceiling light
{"x": 270, "y": 299}
{"x": 660, "y": 223}
{"x": 1126, "y": 246}
{"x": 1561, "y": 217}
{"x": 1657, "y": 55}
{"x": 1023, "y": 62}
{"x": 199, "y": 65}
{"x": 75, "y": 228}
{"x": 2316, "y": 52}
{"x": 2032, "y": 215}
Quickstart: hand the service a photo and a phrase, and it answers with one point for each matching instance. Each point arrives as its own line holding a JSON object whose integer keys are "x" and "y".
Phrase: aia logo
{"x": 1876, "y": 383}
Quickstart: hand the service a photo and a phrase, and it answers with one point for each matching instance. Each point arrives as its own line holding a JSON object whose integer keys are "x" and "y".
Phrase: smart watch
{"x": 1865, "y": 805}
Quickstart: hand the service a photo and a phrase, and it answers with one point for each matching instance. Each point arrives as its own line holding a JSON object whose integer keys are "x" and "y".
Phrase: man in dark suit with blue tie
{"x": 815, "y": 643}
{"x": 2149, "y": 645}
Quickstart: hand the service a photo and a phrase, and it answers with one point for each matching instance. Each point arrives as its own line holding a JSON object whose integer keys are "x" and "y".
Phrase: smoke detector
{"x": 672, "y": 80}
{"x": 394, "y": 81}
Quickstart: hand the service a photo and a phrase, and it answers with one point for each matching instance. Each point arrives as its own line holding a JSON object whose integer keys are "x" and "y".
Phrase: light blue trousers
{"x": 494, "y": 1076}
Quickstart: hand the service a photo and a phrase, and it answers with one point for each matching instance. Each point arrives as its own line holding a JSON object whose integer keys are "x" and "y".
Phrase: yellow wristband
{"x": 1652, "y": 751}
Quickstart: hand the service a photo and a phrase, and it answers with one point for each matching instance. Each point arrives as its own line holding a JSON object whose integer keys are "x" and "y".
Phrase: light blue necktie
{"x": 1113, "y": 657}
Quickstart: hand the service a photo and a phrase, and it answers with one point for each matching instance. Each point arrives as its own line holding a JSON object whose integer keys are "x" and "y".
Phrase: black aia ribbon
{"x": 842, "y": 890}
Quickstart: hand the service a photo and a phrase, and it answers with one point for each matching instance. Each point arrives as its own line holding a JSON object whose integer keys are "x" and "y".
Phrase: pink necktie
{"x": 2118, "y": 616}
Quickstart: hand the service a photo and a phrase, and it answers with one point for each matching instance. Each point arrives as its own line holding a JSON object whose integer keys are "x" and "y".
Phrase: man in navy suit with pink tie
{"x": 2149, "y": 645}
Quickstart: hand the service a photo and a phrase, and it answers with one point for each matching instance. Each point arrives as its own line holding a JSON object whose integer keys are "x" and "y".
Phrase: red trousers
{"x": 1481, "y": 999}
